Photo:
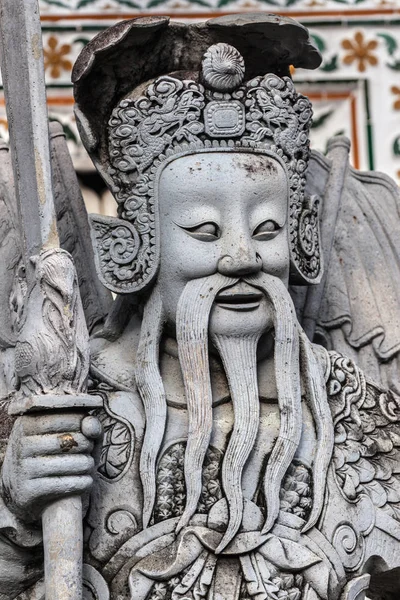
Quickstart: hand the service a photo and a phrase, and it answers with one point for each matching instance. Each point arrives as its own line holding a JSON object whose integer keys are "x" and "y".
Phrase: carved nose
{"x": 240, "y": 265}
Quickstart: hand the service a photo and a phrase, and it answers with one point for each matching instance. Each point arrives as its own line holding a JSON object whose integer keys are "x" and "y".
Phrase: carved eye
{"x": 206, "y": 232}
{"x": 266, "y": 230}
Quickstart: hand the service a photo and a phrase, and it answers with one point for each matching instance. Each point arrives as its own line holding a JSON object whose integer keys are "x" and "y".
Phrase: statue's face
{"x": 223, "y": 212}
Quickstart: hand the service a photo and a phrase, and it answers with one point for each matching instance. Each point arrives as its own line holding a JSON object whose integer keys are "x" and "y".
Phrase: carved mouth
{"x": 240, "y": 297}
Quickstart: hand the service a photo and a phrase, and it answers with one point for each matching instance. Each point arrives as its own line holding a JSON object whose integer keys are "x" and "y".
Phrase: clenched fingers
{"x": 58, "y": 466}
{"x": 54, "y": 487}
{"x": 55, "y": 423}
{"x": 52, "y": 444}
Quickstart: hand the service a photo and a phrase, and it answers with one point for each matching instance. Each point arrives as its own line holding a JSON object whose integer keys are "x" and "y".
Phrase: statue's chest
{"x": 170, "y": 479}
{"x": 223, "y": 424}
{"x": 233, "y": 574}
{"x": 228, "y": 577}
{"x": 173, "y": 450}
{"x": 295, "y": 495}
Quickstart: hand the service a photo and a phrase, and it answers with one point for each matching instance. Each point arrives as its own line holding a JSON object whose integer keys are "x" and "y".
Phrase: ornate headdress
{"x": 208, "y": 106}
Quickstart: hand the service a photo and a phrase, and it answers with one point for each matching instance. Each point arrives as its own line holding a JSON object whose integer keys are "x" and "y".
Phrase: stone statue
{"x": 237, "y": 460}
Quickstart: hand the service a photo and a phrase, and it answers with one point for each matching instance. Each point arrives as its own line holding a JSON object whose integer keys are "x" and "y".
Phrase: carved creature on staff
{"x": 237, "y": 458}
{"x": 51, "y": 321}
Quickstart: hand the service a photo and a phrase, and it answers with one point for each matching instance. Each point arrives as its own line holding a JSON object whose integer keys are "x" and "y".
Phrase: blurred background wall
{"x": 356, "y": 92}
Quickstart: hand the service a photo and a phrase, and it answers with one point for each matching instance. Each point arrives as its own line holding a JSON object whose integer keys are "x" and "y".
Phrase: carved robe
{"x": 123, "y": 561}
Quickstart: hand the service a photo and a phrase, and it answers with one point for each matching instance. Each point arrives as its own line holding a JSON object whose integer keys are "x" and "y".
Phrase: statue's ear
{"x": 123, "y": 262}
{"x": 306, "y": 266}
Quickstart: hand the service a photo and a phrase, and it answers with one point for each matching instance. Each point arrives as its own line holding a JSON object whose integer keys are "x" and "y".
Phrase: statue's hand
{"x": 48, "y": 457}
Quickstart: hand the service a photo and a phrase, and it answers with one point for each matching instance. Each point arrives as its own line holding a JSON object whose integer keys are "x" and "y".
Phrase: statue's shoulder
{"x": 113, "y": 361}
{"x": 366, "y": 421}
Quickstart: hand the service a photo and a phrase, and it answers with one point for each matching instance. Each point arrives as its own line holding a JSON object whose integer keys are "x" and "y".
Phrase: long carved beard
{"x": 240, "y": 363}
{"x": 238, "y": 355}
{"x": 317, "y": 399}
{"x": 290, "y": 345}
{"x": 192, "y": 320}
{"x": 287, "y": 375}
{"x": 151, "y": 389}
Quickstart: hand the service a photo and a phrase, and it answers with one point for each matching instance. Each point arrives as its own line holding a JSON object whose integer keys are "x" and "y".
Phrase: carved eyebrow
{"x": 189, "y": 223}
{"x": 275, "y": 218}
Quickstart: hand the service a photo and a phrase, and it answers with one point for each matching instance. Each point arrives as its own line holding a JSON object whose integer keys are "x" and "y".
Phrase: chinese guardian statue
{"x": 247, "y": 446}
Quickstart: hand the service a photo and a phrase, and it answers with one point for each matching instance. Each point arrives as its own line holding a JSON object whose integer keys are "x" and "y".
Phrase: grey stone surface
{"x": 51, "y": 354}
{"x": 237, "y": 459}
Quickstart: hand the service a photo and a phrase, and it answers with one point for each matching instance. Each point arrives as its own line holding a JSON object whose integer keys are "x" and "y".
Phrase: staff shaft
{"x": 24, "y": 85}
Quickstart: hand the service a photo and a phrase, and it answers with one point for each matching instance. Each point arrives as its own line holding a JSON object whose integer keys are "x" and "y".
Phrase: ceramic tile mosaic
{"x": 355, "y": 92}
{"x": 55, "y": 7}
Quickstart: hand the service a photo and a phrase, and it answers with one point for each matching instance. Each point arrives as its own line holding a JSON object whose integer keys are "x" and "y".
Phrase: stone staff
{"x": 52, "y": 352}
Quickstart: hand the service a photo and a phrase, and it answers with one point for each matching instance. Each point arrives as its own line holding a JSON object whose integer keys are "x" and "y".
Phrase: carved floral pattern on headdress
{"x": 176, "y": 117}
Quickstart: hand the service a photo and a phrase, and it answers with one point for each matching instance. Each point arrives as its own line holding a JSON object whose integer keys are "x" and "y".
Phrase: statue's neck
{"x": 264, "y": 350}
{"x": 173, "y": 382}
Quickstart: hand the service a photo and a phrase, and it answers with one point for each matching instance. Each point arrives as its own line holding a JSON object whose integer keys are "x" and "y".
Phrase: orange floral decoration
{"x": 360, "y": 51}
{"x": 54, "y": 57}
{"x": 396, "y": 91}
